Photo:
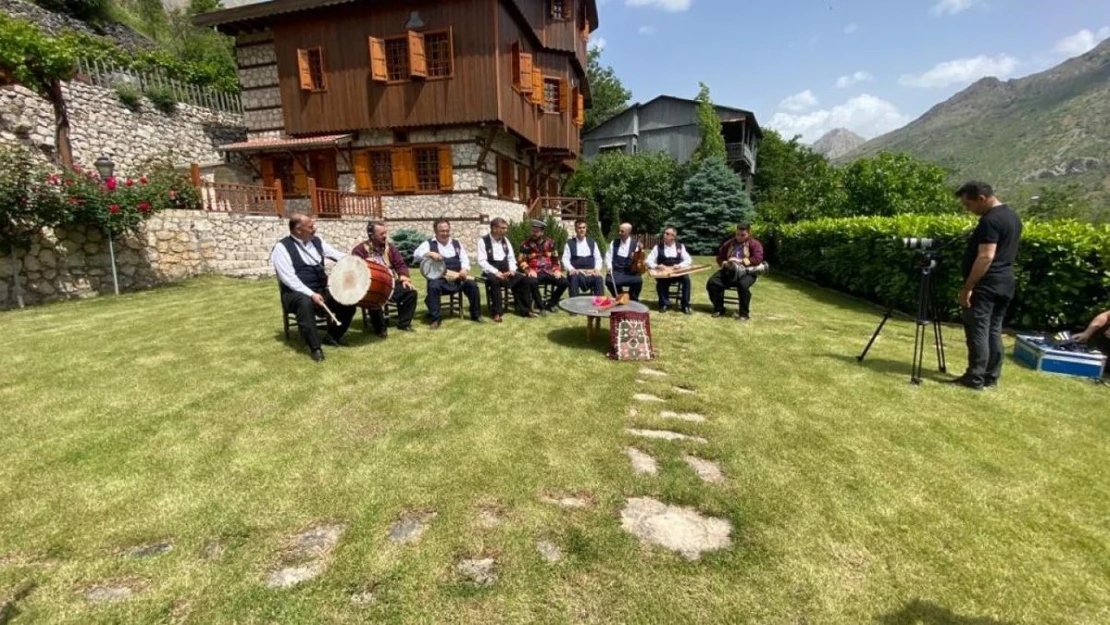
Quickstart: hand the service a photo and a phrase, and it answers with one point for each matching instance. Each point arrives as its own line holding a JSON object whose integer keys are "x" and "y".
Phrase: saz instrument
{"x": 639, "y": 259}
{"x": 678, "y": 273}
{"x": 356, "y": 281}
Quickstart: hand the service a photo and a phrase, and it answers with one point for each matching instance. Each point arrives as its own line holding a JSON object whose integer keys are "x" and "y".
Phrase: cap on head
{"x": 744, "y": 226}
{"x": 536, "y": 223}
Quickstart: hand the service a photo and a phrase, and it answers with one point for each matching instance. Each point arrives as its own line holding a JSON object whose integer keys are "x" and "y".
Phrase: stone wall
{"x": 101, "y": 125}
{"x": 57, "y": 23}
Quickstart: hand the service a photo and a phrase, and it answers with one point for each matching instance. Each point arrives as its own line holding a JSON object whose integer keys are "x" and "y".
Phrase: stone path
{"x": 306, "y": 556}
{"x": 683, "y": 416}
{"x": 549, "y": 551}
{"x": 647, "y": 397}
{"x": 109, "y": 593}
{"x": 648, "y": 371}
{"x": 410, "y": 526}
{"x": 642, "y": 464}
{"x": 682, "y": 390}
{"x": 665, "y": 435}
{"x": 151, "y": 550}
{"x": 478, "y": 571}
{"x": 707, "y": 470}
{"x": 679, "y": 529}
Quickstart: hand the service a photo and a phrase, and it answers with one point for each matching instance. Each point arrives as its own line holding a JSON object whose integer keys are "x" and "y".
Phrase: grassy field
{"x": 180, "y": 417}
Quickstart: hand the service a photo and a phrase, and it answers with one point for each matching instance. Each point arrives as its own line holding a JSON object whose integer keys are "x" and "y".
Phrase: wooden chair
{"x": 289, "y": 318}
{"x": 454, "y": 303}
{"x": 387, "y": 312}
{"x": 508, "y": 300}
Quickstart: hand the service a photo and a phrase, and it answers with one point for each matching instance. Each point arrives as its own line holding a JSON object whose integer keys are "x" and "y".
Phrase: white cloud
{"x": 672, "y": 6}
{"x": 847, "y": 81}
{"x": 962, "y": 71}
{"x": 1081, "y": 42}
{"x": 597, "y": 41}
{"x": 647, "y": 30}
{"x": 851, "y": 28}
{"x": 952, "y": 7}
{"x": 865, "y": 114}
{"x": 800, "y": 102}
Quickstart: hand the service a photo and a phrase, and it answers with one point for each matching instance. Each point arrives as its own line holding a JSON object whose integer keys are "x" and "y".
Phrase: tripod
{"x": 926, "y": 314}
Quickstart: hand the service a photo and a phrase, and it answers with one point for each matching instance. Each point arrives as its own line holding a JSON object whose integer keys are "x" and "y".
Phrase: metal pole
{"x": 15, "y": 278}
{"x": 112, "y": 255}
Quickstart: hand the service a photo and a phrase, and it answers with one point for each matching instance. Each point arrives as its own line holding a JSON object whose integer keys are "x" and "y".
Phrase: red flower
{"x": 144, "y": 207}
{"x": 113, "y": 209}
{"x": 111, "y": 183}
{"x": 130, "y": 182}
{"x": 142, "y": 180}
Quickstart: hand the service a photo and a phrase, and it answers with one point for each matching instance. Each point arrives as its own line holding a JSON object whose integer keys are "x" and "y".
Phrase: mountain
{"x": 1043, "y": 129}
{"x": 837, "y": 142}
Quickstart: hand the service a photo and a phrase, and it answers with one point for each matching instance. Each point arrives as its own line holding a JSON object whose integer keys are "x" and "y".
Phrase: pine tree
{"x": 713, "y": 199}
{"x": 593, "y": 223}
{"x": 709, "y": 127}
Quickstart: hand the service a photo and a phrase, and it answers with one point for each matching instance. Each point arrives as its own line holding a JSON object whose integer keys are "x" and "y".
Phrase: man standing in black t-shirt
{"x": 988, "y": 270}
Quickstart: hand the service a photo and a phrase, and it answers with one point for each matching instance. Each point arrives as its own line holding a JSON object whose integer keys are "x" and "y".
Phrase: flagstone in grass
{"x": 679, "y": 529}
{"x": 292, "y": 575}
{"x": 364, "y": 597}
{"x": 111, "y": 593}
{"x": 642, "y": 463}
{"x": 549, "y": 551}
{"x": 648, "y": 371}
{"x": 682, "y": 390}
{"x": 151, "y": 550}
{"x": 666, "y": 435}
{"x": 647, "y": 397}
{"x": 707, "y": 470}
{"x": 480, "y": 571}
{"x": 683, "y": 416}
{"x": 411, "y": 526}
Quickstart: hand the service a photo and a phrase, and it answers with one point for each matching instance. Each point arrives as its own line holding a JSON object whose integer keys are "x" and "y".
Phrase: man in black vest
{"x": 664, "y": 258}
{"x": 495, "y": 257}
{"x": 619, "y": 261}
{"x": 298, "y": 260}
{"x": 582, "y": 260}
{"x": 452, "y": 253}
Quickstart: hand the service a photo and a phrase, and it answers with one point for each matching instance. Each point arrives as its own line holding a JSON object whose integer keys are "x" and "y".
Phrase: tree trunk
{"x": 15, "y": 279}
{"x": 61, "y": 122}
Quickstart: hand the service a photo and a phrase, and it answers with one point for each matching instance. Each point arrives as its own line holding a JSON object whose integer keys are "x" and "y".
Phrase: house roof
{"x": 258, "y": 10}
{"x": 286, "y": 143}
{"x": 740, "y": 114}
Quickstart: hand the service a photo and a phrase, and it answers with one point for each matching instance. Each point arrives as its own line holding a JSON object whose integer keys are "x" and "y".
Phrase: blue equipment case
{"x": 1039, "y": 354}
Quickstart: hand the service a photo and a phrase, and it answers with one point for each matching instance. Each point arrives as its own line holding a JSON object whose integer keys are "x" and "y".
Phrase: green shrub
{"x": 712, "y": 200}
{"x": 406, "y": 241}
{"x": 1063, "y": 268}
{"x": 130, "y": 96}
{"x": 521, "y": 231}
{"x": 162, "y": 98}
{"x": 85, "y": 10}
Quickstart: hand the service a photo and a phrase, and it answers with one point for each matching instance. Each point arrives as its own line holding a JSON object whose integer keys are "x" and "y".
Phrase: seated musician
{"x": 582, "y": 260}
{"x": 298, "y": 261}
{"x": 452, "y": 253}
{"x": 742, "y": 249}
{"x": 539, "y": 263}
{"x": 378, "y": 249}
{"x": 1097, "y": 334}
{"x": 495, "y": 257}
{"x": 619, "y": 261}
{"x": 664, "y": 258}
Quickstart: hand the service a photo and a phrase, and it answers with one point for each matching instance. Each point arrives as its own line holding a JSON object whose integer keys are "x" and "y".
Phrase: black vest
{"x": 582, "y": 262}
{"x": 313, "y": 276}
{"x": 453, "y": 264}
{"x": 660, "y": 259}
{"x": 623, "y": 263}
{"x": 500, "y": 265}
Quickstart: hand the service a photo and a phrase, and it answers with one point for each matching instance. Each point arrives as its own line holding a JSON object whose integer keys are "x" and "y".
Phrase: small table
{"x": 584, "y": 305}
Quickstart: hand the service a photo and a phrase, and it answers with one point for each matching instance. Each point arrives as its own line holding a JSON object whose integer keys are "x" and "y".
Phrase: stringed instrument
{"x": 639, "y": 259}
{"x": 678, "y": 273}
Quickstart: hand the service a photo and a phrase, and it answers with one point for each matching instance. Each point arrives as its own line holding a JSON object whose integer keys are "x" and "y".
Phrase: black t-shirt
{"x": 1001, "y": 226}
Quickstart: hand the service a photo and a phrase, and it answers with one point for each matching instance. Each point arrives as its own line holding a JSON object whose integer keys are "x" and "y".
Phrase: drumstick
{"x": 330, "y": 313}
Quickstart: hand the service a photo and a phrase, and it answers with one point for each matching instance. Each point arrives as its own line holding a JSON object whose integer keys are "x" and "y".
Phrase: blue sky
{"x": 807, "y": 66}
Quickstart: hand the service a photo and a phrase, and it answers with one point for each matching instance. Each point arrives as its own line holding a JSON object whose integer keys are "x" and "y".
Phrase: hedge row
{"x": 1063, "y": 269}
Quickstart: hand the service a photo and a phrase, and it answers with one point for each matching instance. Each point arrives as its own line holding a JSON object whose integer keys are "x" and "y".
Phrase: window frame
{"x": 558, "y": 91}
{"x": 403, "y": 163}
{"x": 450, "y": 54}
{"x": 567, "y": 13}
{"x": 305, "y": 65}
{"x": 408, "y": 70}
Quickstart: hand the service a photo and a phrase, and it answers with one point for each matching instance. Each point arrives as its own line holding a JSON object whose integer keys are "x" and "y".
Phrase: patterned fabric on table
{"x": 630, "y": 336}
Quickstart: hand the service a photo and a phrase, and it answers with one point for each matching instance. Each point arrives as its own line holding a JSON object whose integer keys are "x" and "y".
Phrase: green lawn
{"x": 180, "y": 415}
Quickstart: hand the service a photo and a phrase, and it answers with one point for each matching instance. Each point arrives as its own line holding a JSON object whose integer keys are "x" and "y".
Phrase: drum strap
{"x": 386, "y": 260}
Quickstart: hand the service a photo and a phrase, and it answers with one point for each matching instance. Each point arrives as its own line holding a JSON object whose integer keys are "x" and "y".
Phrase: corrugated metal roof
{"x": 286, "y": 143}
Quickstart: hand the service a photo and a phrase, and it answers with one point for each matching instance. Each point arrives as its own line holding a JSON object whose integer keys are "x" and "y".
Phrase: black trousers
{"x": 983, "y": 330}
{"x": 581, "y": 282}
{"x": 404, "y": 301}
{"x": 516, "y": 283}
{"x": 440, "y": 286}
{"x": 560, "y": 286}
{"x": 661, "y": 287}
{"x": 719, "y": 282}
{"x": 631, "y": 281}
{"x": 305, "y": 309}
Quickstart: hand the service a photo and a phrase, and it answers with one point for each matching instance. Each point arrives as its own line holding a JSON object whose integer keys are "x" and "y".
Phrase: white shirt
{"x": 624, "y": 251}
{"x": 283, "y": 264}
{"x": 446, "y": 250}
{"x": 498, "y": 254}
{"x": 669, "y": 251}
{"x": 583, "y": 249}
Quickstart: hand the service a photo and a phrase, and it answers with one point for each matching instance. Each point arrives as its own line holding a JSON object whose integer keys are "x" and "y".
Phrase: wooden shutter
{"x": 300, "y": 177}
{"x": 378, "y": 70}
{"x": 418, "y": 62}
{"x": 324, "y": 170}
{"x": 361, "y": 166}
{"x": 586, "y": 29}
{"x": 303, "y": 70}
{"x": 564, "y": 95}
{"x": 525, "y": 74}
{"x": 446, "y": 169}
{"x": 267, "y": 171}
{"x": 404, "y": 169}
{"x": 537, "y": 86}
{"x": 504, "y": 177}
{"x": 579, "y": 102}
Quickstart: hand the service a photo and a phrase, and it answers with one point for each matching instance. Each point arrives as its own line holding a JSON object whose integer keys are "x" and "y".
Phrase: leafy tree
{"x": 709, "y": 127}
{"x": 793, "y": 183}
{"x": 93, "y": 11}
{"x": 1059, "y": 202}
{"x": 639, "y": 188}
{"x": 153, "y": 17}
{"x": 896, "y": 183}
{"x": 607, "y": 95}
{"x": 406, "y": 241}
{"x": 593, "y": 223}
{"x": 713, "y": 199}
{"x": 203, "y": 6}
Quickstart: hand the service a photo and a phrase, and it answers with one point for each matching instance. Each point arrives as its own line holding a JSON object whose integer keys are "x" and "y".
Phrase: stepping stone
{"x": 478, "y": 571}
{"x": 632, "y": 412}
{"x": 153, "y": 549}
{"x": 489, "y": 517}
{"x": 683, "y": 530}
{"x": 549, "y": 551}
{"x": 646, "y": 397}
{"x": 292, "y": 575}
{"x": 317, "y": 541}
{"x": 707, "y": 470}
{"x": 639, "y": 381}
{"x": 683, "y": 416}
{"x": 652, "y": 372}
{"x": 108, "y": 594}
{"x": 683, "y": 391}
{"x": 567, "y": 502}
{"x": 410, "y": 526}
{"x": 363, "y": 597}
{"x": 642, "y": 464}
{"x": 665, "y": 435}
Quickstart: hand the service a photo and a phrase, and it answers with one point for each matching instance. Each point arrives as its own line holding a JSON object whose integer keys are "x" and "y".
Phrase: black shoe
{"x": 383, "y": 333}
{"x": 477, "y": 319}
{"x": 407, "y": 328}
{"x": 718, "y": 314}
{"x": 990, "y": 383}
{"x": 743, "y": 317}
{"x": 967, "y": 382}
{"x": 317, "y": 355}
{"x": 334, "y": 342}
{"x": 687, "y": 311}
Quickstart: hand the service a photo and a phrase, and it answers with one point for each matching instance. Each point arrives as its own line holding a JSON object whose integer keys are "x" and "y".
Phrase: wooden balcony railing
{"x": 739, "y": 152}
{"x": 566, "y": 208}
{"x": 248, "y": 199}
{"x": 333, "y": 203}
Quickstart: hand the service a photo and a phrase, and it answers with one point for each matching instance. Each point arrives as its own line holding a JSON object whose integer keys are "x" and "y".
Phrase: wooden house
{"x": 469, "y": 109}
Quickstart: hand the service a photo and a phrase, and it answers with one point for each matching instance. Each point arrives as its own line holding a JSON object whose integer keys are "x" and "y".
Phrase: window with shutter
{"x": 303, "y": 71}
{"x": 504, "y": 178}
{"x": 525, "y": 76}
{"x": 379, "y": 71}
{"x": 537, "y": 86}
{"x": 551, "y": 100}
{"x": 427, "y": 168}
{"x": 446, "y": 169}
{"x": 562, "y": 9}
{"x": 310, "y": 69}
{"x": 360, "y": 165}
{"x": 564, "y": 95}
{"x": 440, "y": 56}
{"x": 579, "y": 108}
{"x": 404, "y": 174}
{"x": 418, "y": 61}
{"x": 397, "y": 58}
{"x": 381, "y": 170}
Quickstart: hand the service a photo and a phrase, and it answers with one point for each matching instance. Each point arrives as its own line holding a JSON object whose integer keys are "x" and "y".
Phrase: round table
{"x": 584, "y": 305}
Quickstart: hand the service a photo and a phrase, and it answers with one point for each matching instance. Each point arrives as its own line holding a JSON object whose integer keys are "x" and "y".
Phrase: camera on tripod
{"x": 917, "y": 243}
